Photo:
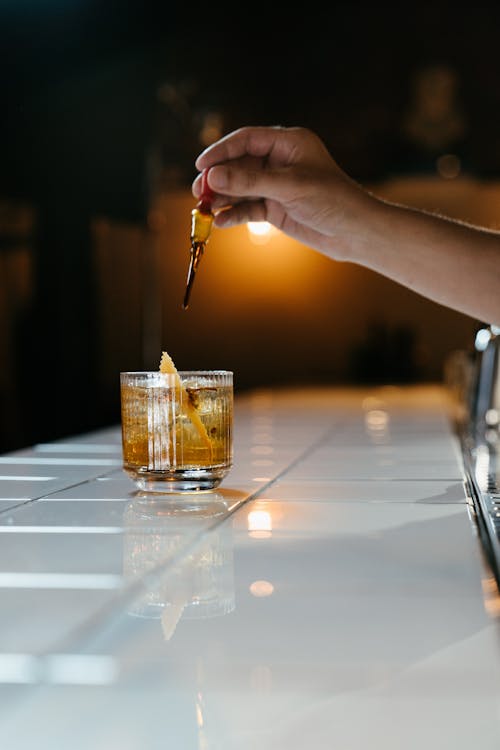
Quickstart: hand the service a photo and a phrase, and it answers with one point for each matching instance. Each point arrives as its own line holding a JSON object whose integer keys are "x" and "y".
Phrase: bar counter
{"x": 332, "y": 593}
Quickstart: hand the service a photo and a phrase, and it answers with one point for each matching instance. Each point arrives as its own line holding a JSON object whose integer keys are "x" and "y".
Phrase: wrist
{"x": 359, "y": 227}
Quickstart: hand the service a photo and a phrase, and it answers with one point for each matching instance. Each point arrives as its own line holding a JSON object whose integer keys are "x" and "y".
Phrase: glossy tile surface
{"x": 332, "y": 593}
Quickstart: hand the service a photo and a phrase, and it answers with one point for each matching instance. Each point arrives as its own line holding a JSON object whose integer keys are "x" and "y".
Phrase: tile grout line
{"x": 53, "y": 492}
{"x": 113, "y": 609}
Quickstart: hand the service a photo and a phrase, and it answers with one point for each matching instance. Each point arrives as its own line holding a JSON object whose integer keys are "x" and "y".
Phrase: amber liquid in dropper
{"x": 201, "y": 226}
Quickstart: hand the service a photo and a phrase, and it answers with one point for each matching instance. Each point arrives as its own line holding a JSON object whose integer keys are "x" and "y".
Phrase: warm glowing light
{"x": 199, "y": 716}
{"x": 260, "y": 232}
{"x": 261, "y": 588}
{"x": 259, "y": 227}
{"x": 260, "y": 524}
{"x": 376, "y": 419}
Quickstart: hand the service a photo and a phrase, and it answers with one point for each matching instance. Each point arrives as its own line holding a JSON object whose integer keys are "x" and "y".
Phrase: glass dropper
{"x": 201, "y": 226}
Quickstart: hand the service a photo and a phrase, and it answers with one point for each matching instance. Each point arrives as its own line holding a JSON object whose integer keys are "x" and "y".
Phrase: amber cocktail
{"x": 177, "y": 431}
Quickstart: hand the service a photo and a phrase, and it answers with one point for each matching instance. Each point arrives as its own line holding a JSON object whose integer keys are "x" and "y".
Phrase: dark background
{"x": 102, "y": 104}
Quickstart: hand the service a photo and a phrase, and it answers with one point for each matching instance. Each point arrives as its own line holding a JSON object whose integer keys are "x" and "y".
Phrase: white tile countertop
{"x": 332, "y": 593}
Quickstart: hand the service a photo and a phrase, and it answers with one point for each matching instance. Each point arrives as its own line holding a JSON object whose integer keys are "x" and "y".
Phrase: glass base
{"x": 197, "y": 610}
{"x": 183, "y": 480}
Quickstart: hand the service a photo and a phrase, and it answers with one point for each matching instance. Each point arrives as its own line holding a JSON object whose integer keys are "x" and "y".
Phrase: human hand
{"x": 285, "y": 176}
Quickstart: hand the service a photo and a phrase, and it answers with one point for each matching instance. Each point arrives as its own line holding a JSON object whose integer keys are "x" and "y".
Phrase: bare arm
{"x": 286, "y": 176}
{"x": 450, "y": 262}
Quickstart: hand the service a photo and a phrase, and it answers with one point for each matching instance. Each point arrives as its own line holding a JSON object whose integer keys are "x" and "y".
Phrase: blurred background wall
{"x": 104, "y": 109}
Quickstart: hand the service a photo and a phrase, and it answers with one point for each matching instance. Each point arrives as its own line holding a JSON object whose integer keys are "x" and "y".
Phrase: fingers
{"x": 223, "y": 198}
{"x": 262, "y": 162}
{"x": 255, "y": 141}
{"x": 235, "y": 180}
{"x": 275, "y": 146}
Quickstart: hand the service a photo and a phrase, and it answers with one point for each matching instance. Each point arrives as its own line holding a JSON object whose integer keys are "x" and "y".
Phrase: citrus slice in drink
{"x": 167, "y": 367}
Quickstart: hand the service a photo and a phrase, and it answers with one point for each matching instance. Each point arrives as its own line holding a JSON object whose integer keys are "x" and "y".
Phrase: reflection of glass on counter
{"x": 182, "y": 552}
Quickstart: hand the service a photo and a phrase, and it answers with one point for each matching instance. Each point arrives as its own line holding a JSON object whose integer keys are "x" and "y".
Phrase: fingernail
{"x": 217, "y": 178}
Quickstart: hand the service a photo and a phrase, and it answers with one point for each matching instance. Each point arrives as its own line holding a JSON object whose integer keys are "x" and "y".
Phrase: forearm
{"x": 286, "y": 176}
{"x": 452, "y": 263}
